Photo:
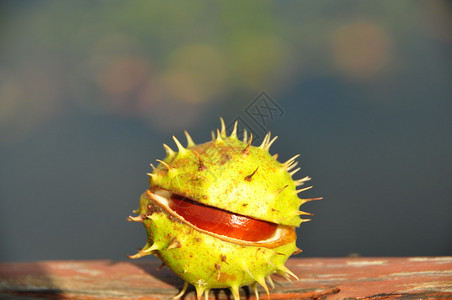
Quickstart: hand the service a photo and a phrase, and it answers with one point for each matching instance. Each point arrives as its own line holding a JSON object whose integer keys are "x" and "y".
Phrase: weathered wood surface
{"x": 320, "y": 278}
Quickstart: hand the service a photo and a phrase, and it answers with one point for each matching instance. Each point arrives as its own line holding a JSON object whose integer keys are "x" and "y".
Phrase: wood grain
{"x": 320, "y": 278}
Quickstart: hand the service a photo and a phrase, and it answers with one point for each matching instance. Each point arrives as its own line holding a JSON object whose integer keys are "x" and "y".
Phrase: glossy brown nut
{"x": 222, "y": 222}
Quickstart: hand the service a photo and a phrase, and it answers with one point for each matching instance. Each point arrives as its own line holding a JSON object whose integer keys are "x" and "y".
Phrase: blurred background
{"x": 89, "y": 91}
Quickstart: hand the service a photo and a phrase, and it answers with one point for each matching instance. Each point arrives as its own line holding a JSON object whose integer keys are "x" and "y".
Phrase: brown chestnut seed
{"x": 277, "y": 235}
{"x": 222, "y": 222}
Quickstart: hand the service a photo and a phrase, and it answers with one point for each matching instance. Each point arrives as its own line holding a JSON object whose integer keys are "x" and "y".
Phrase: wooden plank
{"x": 320, "y": 278}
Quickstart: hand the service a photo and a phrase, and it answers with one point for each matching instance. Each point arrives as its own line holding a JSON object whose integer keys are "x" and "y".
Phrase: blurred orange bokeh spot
{"x": 361, "y": 49}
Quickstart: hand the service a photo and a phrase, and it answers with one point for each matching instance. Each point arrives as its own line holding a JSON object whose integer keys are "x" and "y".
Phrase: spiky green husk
{"x": 217, "y": 174}
{"x": 232, "y": 175}
{"x": 208, "y": 262}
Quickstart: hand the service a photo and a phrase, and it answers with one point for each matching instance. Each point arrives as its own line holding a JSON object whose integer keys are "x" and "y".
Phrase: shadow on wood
{"x": 320, "y": 278}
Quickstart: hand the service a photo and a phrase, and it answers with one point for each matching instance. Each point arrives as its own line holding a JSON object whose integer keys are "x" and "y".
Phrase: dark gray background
{"x": 374, "y": 133}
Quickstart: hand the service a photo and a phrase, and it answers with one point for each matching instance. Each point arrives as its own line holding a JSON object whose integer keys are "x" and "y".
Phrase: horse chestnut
{"x": 222, "y": 214}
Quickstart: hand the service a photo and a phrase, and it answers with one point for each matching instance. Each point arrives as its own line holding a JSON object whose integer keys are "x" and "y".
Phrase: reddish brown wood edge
{"x": 320, "y": 278}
